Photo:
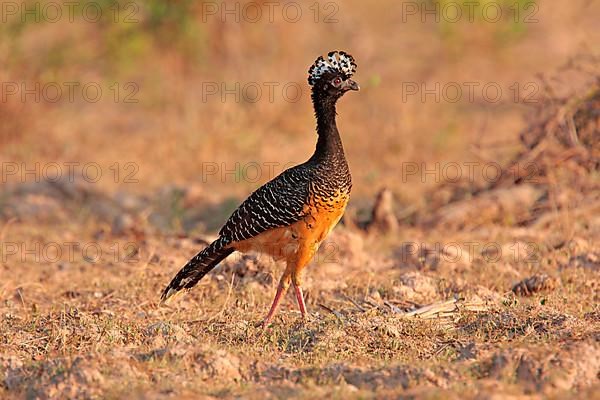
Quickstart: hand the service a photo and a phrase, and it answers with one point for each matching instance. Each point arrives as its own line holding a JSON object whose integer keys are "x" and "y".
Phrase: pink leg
{"x": 300, "y": 299}
{"x": 281, "y": 291}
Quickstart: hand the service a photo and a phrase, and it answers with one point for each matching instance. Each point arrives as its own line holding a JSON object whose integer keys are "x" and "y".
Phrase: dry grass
{"x": 447, "y": 289}
{"x": 92, "y": 328}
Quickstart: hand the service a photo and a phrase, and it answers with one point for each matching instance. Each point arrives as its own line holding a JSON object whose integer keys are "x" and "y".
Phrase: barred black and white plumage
{"x": 278, "y": 203}
{"x": 290, "y": 216}
{"x": 198, "y": 266}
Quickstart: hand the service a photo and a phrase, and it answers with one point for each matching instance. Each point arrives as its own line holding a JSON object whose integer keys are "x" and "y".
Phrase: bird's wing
{"x": 280, "y": 202}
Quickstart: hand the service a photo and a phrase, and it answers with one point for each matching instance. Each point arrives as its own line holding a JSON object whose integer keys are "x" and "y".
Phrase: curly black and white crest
{"x": 337, "y": 61}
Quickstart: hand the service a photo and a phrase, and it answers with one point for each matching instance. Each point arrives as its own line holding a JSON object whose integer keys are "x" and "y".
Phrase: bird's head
{"x": 331, "y": 77}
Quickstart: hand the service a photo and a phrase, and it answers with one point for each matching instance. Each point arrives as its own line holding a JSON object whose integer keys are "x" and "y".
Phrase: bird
{"x": 289, "y": 216}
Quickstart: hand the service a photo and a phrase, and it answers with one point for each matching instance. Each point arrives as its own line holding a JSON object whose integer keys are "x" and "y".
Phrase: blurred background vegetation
{"x": 161, "y": 54}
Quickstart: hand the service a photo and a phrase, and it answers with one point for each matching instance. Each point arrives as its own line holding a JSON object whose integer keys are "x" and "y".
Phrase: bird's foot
{"x": 281, "y": 290}
{"x": 300, "y": 299}
{"x": 264, "y": 324}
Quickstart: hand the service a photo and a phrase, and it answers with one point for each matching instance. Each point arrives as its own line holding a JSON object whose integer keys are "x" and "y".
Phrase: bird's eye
{"x": 337, "y": 81}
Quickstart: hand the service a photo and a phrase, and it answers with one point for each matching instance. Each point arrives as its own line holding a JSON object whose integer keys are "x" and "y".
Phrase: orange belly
{"x": 301, "y": 239}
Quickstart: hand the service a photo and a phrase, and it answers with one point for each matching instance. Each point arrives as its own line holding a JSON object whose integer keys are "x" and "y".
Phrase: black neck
{"x": 329, "y": 144}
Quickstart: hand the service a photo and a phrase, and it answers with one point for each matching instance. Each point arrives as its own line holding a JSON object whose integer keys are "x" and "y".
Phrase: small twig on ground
{"x": 433, "y": 310}
{"x": 445, "y": 309}
{"x": 332, "y": 311}
{"x": 355, "y": 304}
{"x": 395, "y": 309}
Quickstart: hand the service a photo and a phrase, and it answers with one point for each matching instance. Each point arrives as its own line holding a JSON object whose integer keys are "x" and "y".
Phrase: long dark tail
{"x": 195, "y": 269}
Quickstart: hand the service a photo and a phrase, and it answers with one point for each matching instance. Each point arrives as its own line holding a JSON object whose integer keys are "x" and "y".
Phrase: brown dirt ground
{"x": 431, "y": 289}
